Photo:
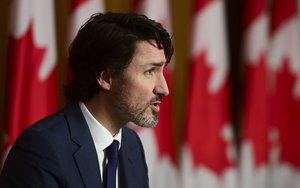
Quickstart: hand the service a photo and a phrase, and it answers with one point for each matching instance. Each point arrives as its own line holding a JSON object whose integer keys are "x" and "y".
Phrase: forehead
{"x": 147, "y": 52}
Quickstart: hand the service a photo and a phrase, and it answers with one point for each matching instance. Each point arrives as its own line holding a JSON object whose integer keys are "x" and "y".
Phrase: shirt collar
{"x": 101, "y": 136}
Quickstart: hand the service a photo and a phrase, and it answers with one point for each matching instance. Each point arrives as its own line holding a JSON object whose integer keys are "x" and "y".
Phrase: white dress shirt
{"x": 101, "y": 136}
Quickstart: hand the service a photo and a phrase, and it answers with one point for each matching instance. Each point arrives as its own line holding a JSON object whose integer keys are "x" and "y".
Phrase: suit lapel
{"x": 128, "y": 173}
{"x": 126, "y": 167}
{"x": 86, "y": 155}
{"x": 88, "y": 167}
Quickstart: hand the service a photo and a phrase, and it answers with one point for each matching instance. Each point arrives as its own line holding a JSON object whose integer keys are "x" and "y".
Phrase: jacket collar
{"x": 86, "y": 155}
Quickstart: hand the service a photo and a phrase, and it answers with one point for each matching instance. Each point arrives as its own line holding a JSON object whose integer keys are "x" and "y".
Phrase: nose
{"x": 161, "y": 87}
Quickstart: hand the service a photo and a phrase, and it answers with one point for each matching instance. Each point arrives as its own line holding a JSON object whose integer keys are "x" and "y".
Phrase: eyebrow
{"x": 158, "y": 64}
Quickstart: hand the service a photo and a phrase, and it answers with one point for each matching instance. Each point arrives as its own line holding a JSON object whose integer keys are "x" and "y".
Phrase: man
{"x": 117, "y": 62}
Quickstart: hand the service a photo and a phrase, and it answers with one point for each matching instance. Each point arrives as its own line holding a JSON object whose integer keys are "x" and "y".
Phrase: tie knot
{"x": 112, "y": 150}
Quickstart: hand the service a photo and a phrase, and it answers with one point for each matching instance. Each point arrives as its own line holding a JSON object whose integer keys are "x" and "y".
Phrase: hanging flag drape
{"x": 284, "y": 59}
{"x": 208, "y": 152}
{"x": 254, "y": 160}
{"x": 31, "y": 88}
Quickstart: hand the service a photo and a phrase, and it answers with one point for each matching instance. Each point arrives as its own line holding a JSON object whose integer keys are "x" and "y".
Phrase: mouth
{"x": 155, "y": 106}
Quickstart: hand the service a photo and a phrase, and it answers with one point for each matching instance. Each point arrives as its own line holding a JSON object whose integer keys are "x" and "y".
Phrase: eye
{"x": 150, "y": 72}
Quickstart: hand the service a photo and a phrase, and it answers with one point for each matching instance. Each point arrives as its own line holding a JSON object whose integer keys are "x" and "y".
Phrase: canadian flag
{"x": 284, "y": 59}
{"x": 31, "y": 87}
{"x": 254, "y": 161}
{"x": 81, "y": 11}
{"x": 158, "y": 142}
{"x": 208, "y": 156}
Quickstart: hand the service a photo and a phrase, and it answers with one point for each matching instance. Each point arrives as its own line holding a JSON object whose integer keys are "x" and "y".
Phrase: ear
{"x": 104, "y": 79}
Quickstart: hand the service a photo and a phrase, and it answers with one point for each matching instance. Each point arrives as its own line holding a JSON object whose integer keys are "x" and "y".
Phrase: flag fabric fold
{"x": 208, "y": 154}
{"x": 270, "y": 148}
{"x": 284, "y": 62}
{"x": 31, "y": 83}
{"x": 254, "y": 160}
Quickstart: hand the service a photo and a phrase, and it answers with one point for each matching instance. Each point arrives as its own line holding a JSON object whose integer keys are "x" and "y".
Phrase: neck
{"x": 102, "y": 114}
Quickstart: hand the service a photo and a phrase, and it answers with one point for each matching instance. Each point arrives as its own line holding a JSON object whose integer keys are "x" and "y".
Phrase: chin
{"x": 151, "y": 123}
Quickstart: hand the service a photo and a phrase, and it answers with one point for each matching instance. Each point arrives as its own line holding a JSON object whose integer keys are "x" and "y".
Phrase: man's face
{"x": 138, "y": 91}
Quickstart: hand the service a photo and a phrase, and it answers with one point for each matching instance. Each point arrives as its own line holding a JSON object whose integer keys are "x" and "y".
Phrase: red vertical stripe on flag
{"x": 31, "y": 87}
{"x": 207, "y": 116}
{"x": 286, "y": 97}
{"x": 256, "y": 125}
{"x": 284, "y": 60}
{"x": 256, "y": 128}
{"x": 208, "y": 152}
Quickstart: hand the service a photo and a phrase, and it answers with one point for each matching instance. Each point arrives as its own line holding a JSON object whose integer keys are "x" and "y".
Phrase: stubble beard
{"x": 139, "y": 116}
{"x": 142, "y": 120}
{"x": 138, "y": 113}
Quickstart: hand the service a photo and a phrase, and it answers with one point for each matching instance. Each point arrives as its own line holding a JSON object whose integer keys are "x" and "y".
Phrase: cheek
{"x": 135, "y": 88}
{"x": 138, "y": 95}
{"x": 142, "y": 90}
{"x": 139, "y": 85}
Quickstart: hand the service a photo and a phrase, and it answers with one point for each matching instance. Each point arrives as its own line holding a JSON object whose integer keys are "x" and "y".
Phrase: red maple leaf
{"x": 285, "y": 115}
{"x": 28, "y": 98}
{"x": 207, "y": 115}
{"x": 256, "y": 122}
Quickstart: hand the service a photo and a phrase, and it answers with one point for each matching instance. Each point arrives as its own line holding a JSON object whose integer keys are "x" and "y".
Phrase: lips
{"x": 155, "y": 106}
{"x": 155, "y": 103}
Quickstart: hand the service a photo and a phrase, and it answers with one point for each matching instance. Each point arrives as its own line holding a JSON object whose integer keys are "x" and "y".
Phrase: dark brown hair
{"x": 108, "y": 41}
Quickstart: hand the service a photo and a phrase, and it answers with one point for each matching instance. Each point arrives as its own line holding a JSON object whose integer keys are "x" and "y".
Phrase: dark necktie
{"x": 111, "y": 169}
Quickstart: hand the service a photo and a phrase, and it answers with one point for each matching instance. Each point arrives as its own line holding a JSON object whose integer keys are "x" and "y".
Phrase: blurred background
{"x": 233, "y": 116}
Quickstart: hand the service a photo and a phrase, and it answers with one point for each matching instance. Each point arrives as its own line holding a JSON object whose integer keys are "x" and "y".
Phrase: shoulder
{"x": 33, "y": 155}
{"x": 55, "y": 125}
{"x": 42, "y": 135}
{"x": 52, "y": 131}
{"x": 50, "y": 125}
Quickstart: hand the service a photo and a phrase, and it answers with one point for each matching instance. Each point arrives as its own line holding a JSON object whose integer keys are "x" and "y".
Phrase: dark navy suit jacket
{"x": 58, "y": 151}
